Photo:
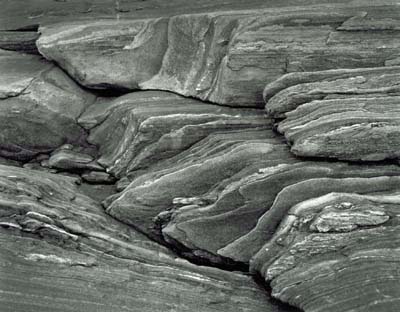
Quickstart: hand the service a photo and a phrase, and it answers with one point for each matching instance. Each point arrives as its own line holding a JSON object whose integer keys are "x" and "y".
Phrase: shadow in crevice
{"x": 279, "y": 304}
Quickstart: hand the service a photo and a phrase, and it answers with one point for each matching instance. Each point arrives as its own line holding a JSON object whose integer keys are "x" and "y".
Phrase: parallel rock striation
{"x": 343, "y": 114}
{"x": 142, "y": 129}
{"x": 337, "y": 250}
{"x": 102, "y": 196}
{"x": 60, "y": 251}
{"x": 224, "y": 57}
{"x": 39, "y": 106}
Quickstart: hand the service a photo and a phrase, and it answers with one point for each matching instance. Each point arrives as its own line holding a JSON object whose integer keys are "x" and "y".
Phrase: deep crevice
{"x": 260, "y": 281}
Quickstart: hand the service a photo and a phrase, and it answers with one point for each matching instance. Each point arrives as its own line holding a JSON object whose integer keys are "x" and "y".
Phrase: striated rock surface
{"x": 60, "y": 251}
{"x": 142, "y": 129}
{"x": 224, "y": 57}
{"x": 22, "y": 41}
{"x": 344, "y": 114}
{"x": 337, "y": 250}
{"x": 105, "y": 195}
{"x": 39, "y": 106}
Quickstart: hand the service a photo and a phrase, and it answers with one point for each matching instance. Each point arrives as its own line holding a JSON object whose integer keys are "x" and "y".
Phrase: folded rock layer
{"x": 343, "y": 114}
{"x": 61, "y": 252}
{"x": 105, "y": 195}
{"x": 337, "y": 250}
{"x": 224, "y": 57}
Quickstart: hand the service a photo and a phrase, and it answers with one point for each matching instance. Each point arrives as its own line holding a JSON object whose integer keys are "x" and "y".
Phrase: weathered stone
{"x": 142, "y": 129}
{"x": 98, "y": 177}
{"x": 344, "y": 114}
{"x": 223, "y": 57}
{"x": 337, "y": 251}
{"x": 72, "y": 160}
{"x": 34, "y": 13}
{"x": 212, "y": 194}
{"x": 59, "y": 251}
{"x": 22, "y": 41}
{"x": 39, "y": 106}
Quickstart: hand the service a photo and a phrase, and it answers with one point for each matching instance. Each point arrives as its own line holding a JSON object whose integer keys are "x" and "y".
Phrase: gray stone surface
{"x": 61, "y": 252}
{"x": 107, "y": 194}
{"x": 343, "y": 114}
{"x": 224, "y": 57}
{"x": 39, "y": 106}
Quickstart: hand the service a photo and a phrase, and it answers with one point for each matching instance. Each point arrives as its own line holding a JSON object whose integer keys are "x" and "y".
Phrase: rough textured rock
{"x": 22, "y": 41}
{"x": 141, "y": 129}
{"x": 344, "y": 114}
{"x": 224, "y": 57}
{"x": 183, "y": 178}
{"x": 39, "y": 106}
{"x": 38, "y": 12}
{"x": 337, "y": 250}
{"x": 72, "y": 160}
{"x": 240, "y": 206}
{"x": 61, "y": 252}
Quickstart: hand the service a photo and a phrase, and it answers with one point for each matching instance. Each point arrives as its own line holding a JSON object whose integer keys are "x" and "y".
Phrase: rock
{"x": 22, "y": 41}
{"x": 344, "y": 114}
{"x": 50, "y": 11}
{"x": 39, "y": 107}
{"x": 142, "y": 129}
{"x": 337, "y": 251}
{"x": 67, "y": 159}
{"x": 223, "y": 57}
{"x": 229, "y": 206}
{"x": 98, "y": 177}
{"x": 60, "y": 251}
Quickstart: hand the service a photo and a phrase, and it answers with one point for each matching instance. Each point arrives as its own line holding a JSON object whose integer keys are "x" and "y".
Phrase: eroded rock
{"x": 344, "y": 114}
{"x": 39, "y": 106}
{"x": 337, "y": 252}
{"x": 142, "y": 129}
{"x": 59, "y": 250}
{"x": 223, "y": 57}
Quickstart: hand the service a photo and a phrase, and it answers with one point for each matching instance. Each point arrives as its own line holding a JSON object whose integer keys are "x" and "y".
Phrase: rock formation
{"x": 199, "y": 156}
{"x": 59, "y": 250}
{"x": 39, "y": 108}
{"x": 344, "y": 114}
{"x": 224, "y": 58}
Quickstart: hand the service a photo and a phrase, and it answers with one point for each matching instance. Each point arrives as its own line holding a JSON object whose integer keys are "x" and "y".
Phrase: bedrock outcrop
{"x": 141, "y": 130}
{"x": 139, "y": 169}
{"x": 224, "y": 57}
{"x": 213, "y": 181}
{"x": 39, "y": 106}
{"x": 348, "y": 114}
{"x": 60, "y": 251}
{"x": 337, "y": 250}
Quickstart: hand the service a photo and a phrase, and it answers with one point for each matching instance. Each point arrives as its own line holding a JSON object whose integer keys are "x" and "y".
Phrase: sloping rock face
{"x": 224, "y": 57}
{"x": 344, "y": 114}
{"x": 39, "y": 106}
{"x": 337, "y": 251}
{"x": 60, "y": 251}
{"x": 144, "y": 129}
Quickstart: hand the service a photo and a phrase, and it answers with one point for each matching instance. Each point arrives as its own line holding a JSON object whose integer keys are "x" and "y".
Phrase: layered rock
{"x": 33, "y": 13}
{"x": 143, "y": 129}
{"x": 224, "y": 57}
{"x": 39, "y": 106}
{"x": 60, "y": 251}
{"x": 22, "y": 41}
{"x": 337, "y": 250}
{"x": 344, "y": 114}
